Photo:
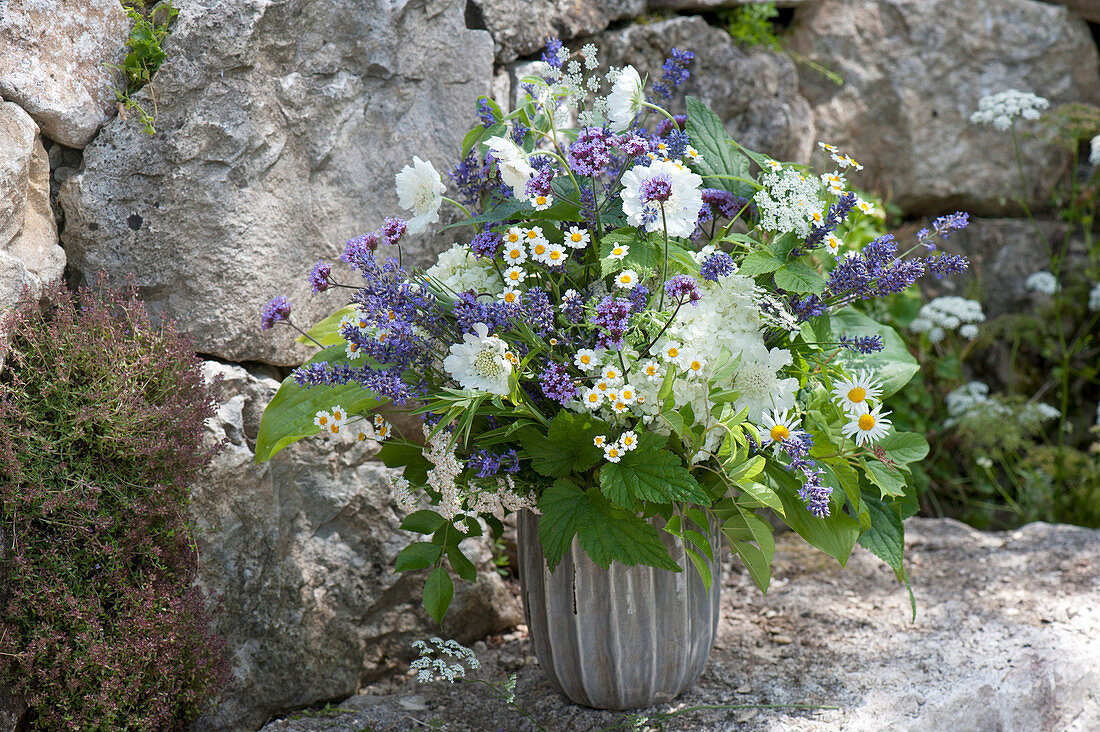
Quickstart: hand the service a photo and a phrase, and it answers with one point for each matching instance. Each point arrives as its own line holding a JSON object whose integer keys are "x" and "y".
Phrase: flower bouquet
{"x": 644, "y": 331}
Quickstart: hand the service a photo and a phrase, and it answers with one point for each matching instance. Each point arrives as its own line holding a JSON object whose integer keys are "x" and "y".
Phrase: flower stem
{"x": 664, "y": 268}
{"x": 456, "y": 203}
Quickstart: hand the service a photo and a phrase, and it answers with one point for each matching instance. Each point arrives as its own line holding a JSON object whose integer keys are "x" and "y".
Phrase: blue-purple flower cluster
{"x": 815, "y": 495}
{"x": 486, "y": 464}
{"x": 612, "y": 317}
{"x": 674, "y": 72}
{"x": 943, "y": 227}
{"x": 862, "y": 344}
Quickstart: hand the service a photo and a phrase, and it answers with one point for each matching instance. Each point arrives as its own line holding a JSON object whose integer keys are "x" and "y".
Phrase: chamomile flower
{"x": 599, "y": 440}
{"x": 585, "y": 360}
{"x": 514, "y": 235}
{"x": 827, "y": 147}
{"x": 865, "y": 206}
{"x": 627, "y": 394}
{"x": 478, "y": 362}
{"x": 353, "y": 351}
{"x": 510, "y": 296}
{"x": 846, "y": 161}
{"x": 592, "y": 398}
{"x": 868, "y": 427}
{"x": 515, "y": 253}
{"x": 514, "y": 276}
{"x": 603, "y": 387}
{"x": 833, "y": 244}
{"x": 577, "y": 238}
{"x": 694, "y": 366}
{"x": 556, "y": 255}
{"x": 671, "y": 351}
{"x": 613, "y": 452}
{"x": 692, "y": 154}
{"x": 322, "y": 419}
{"x": 334, "y": 428}
{"x": 618, "y": 406}
{"x": 532, "y": 235}
{"x": 619, "y": 251}
{"x": 383, "y": 431}
{"x": 339, "y": 416}
{"x": 611, "y": 374}
{"x": 773, "y": 165}
{"x": 852, "y": 394}
{"x": 540, "y": 249}
{"x": 651, "y": 370}
{"x": 379, "y": 420}
{"x": 626, "y": 279}
{"x": 833, "y": 180}
{"x": 778, "y": 426}
{"x": 541, "y": 203}
{"x": 629, "y": 440}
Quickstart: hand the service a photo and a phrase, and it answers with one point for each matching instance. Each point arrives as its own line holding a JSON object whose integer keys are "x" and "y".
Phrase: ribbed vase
{"x": 617, "y": 638}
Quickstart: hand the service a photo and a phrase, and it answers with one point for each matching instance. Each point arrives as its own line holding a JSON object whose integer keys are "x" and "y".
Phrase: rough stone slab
{"x": 1087, "y": 9}
{"x": 54, "y": 63}
{"x": 521, "y": 27}
{"x": 17, "y": 135}
{"x": 281, "y": 124}
{"x": 299, "y": 552}
{"x": 754, "y": 91}
{"x": 914, "y": 71}
{"x": 1007, "y": 637}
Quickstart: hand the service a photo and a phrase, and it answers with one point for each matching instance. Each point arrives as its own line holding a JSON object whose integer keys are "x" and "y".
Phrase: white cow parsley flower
{"x": 1042, "y": 282}
{"x": 1001, "y": 109}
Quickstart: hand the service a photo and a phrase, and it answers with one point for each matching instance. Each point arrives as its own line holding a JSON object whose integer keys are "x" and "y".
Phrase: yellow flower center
{"x": 336, "y": 415}
{"x": 540, "y": 248}
{"x": 323, "y": 420}
{"x": 626, "y": 279}
{"x": 695, "y": 365}
{"x": 541, "y": 200}
{"x": 628, "y": 394}
{"x": 780, "y": 433}
{"x": 628, "y": 441}
{"x": 509, "y": 297}
{"x": 514, "y": 254}
{"x": 514, "y": 276}
{"x": 513, "y": 238}
{"x": 532, "y": 234}
{"x": 575, "y": 237}
{"x": 857, "y": 395}
{"x": 586, "y": 359}
{"x": 617, "y": 251}
{"x": 613, "y": 453}
{"x": 593, "y": 398}
{"x": 866, "y": 422}
{"x": 555, "y": 255}
{"x": 673, "y": 352}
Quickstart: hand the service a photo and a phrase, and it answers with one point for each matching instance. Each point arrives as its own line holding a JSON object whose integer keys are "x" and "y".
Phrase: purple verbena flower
{"x": 539, "y": 184}
{"x": 393, "y": 229}
{"x": 319, "y": 277}
{"x": 591, "y": 153}
{"x": 634, "y": 145}
{"x": 486, "y": 244}
{"x": 556, "y": 383}
{"x": 655, "y": 189}
{"x": 612, "y": 317}
{"x": 682, "y": 289}
{"x": 666, "y": 125}
{"x": 276, "y": 310}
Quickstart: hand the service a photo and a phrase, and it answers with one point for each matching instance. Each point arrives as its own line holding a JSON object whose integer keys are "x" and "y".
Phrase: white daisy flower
{"x": 514, "y": 235}
{"x": 512, "y": 163}
{"x": 339, "y": 416}
{"x": 592, "y": 398}
{"x": 625, "y": 100}
{"x": 510, "y": 296}
{"x": 694, "y": 366}
{"x": 540, "y": 251}
{"x": 865, "y": 206}
{"x": 629, "y": 440}
{"x": 833, "y": 244}
{"x": 773, "y": 165}
{"x": 628, "y": 394}
{"x": 651, "y": 370}
{"x": 532, "y": 235}
{"x": 827, "y": 147}
{"x": 514, "y": 276}
{"x": 833, "y": 180}
{"x": 353, "y": 351}
{"x": 662, "y": 186}
{"x": 670, "y": 351}
{"x": 852, "y": 394}
{"x": 585, "y": 359}
{"x": 556, "y": 255}
{"x": 618, "y": 406}
{"x": 613, "y": 452}
{"x": 693, "y": 154}
{"x": 420, "y": 190}
{"x": 611, "y": 374}
{"x": 599, "y": 440}
{"x": 479, "y": 362}
{"x": 383, "y": 431}
{"x": 515, "y": 253}
{"x": 603, "y": 387}
{"x": 778, "y": 426}
{"x": 868, "y": 427}
{"x": 322, "y": 419}
{"x": 626, "y": 279}
{"x": 541, "y": 203}
{"x": 577, "y": 238}
{"x": 619, "y": 251}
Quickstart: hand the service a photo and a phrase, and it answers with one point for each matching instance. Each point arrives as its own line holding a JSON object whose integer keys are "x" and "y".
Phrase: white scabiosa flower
{"x": 512, "y": 163}
{"x": 853, "y": 393}
{"x": 663, "y": 195}
{"x": 625, "y": 100}
{"x": 420, "y": 190}
{"x": 868, "y": 427}
{"x": 480, "y": 362}
{"x": 1042, "y": 282}
{"x": 759, "y": 385}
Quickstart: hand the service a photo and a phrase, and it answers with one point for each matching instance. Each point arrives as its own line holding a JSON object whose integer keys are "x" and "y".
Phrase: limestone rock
{"x": 1005, "y": 638}
{"x": 754, "y": 91}
{"x": 298, "y": 552}
{"x": 914, "y": 71}
{"x": 12, "y": 711}
{"x": 1087, "y": 9}
{"x": 521, "y": 27}
{"x": 281, "y": 124}
{"x": 55, "y": 63}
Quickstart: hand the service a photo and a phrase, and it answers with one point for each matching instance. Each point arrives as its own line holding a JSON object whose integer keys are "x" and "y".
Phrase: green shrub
{"x": 101, "y": 423}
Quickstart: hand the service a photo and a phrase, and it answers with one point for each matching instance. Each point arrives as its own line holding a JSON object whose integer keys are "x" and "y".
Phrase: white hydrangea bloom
{"x": 626, "y": 98}
{"x": 480, "y": 362}
{"x": 459, "y": 270}
{"x": 681, "y": 209}
{"x": 1042, "y": 282}
{"x": 788, "y": 201}
{"x": 1001, "y": 109}
{"x": 420, "y": 190}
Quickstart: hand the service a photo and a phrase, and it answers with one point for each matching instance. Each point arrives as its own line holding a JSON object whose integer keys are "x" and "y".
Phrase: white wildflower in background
{"x": 442, "y": 659}
{"x": 1094, "y": 298}
{"x": 1094, "y": 150}
{"x": 480, "y": 362}
{"x": 625, "y": 100}
{"x": 1001, "y": 109}
{"x": 969, "y": 331}
{"x": 948, "y": 313}
{"x": 420, "y": 190}
{"x": 788, "y": 202}
{"x": 512, "y": 163}
{"x": 1042, "y": 282}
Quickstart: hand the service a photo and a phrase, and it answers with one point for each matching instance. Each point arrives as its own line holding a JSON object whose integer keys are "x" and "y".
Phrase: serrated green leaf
{"x": 407, "y": 456}
{"x": 891, "y": 482}
{"x": 649, "y": 475}
{"x": 438, "y": 592}
{"x": 763, "y": 495}
{"x": 904, "y": 447}
{"x": 797, "y": 276}
{"x": 418, "y": 555}
{"x": 647, "y": 251}
{"x": 719, "y": 162}
{"x": 758, "y": 262}
{"x": 289, "y": 416}
{"x": 566, "y": 446}
{"x": 893, "y": 365}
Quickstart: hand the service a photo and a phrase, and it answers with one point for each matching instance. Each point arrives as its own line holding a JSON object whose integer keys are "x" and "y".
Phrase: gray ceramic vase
{"x": 617, "y": 638}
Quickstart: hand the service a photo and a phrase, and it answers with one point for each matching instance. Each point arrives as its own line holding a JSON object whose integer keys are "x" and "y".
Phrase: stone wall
{"x": 280, "y": 126}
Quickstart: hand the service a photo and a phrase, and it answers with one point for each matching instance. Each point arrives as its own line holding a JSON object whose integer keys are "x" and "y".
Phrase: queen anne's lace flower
{"x": 420, "y": 190}
{"x": 1042, "y": 282}
{"x": 788, "y": 202}
{"x": 1001, "y": 109}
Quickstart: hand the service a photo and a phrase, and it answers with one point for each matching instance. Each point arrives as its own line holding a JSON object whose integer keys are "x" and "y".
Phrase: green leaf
{"x": 423, "y": 521}
{"x": 758, "y": 262}
{"x": 904, "y": 447}
{"x": 701, "y": 566}
{"x": 747, "y": 470}
{"x": 289, "y": 416}
{"x": 605, "y": 533}
{"x": 890, "y": 481}
{"x": 835, "y": 534}
{"x": 717, "y": 157}
{"x": 743, "y": 527}
{"x": 886, "y": 540}
{"x": 797, "y": 276}
{"x": 408, "y": 456}
{"x": 840, "y": 475}
{"x": 567, "y": 445}
{"x": 650, "y": 475}
{"x": 327, "y": 331}
{"x": 418, "y": 555}
{"x": 893, "y": 365}
{"x": 763, "y": 495}
{"x": 647, "y": 251}
{"x": 465, "y": 568}
{"x": 438, "y": 592}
